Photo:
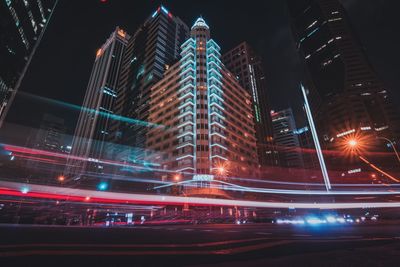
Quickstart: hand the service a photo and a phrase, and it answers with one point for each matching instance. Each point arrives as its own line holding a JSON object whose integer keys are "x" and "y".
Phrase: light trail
{"x": 79, "y": 108}
{"x": 303, "y": 184}
{"x": 89, "y": 196}
{"x": 378, "y": 169}
{"x": 316, "y": 140}
{"x": 232, "y": 187}
{"x": 29, "y": 151}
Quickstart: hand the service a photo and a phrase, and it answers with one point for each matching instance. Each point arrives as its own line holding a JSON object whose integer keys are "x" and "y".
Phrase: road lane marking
{"x": 262, "y": 233}
{"x": 350, "y": 236}
{"x": 75, "y": 251}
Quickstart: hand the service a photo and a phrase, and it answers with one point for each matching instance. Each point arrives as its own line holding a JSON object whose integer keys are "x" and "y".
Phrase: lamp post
{"x": 354, "y": 147}
{"x": 393, "y": 146}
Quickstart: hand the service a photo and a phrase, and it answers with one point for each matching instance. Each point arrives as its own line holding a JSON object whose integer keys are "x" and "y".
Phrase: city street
{"x": 201, "y": 245}
{"x": 199, "y": 133}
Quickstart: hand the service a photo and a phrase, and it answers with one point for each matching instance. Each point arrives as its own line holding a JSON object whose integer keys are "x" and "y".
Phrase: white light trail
{"x": 177, "y": 200}
{"x": 316, "y": 140}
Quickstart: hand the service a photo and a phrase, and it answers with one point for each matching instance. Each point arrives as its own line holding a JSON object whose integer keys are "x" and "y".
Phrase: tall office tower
{"x": 92, "y": 131}
{"x": 346, "y": 96}
{"x": 22, "y": 25}
{"x": 306, "y": 142}
{"x": 152, "y": 49}
{"x": 286, "y": 138}
{"x": 247, "y": 67}
{"x": 205, "y": 116}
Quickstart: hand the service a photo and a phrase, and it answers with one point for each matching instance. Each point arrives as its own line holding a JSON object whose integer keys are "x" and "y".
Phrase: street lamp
{"x": 352, "y": 143}
{"x": 177, "y": 177}
{"x": 221, "y": 170}
{"x": 355, "y": 145}
{"x": 392, "y": 145}
{"x": 61, "y": 178}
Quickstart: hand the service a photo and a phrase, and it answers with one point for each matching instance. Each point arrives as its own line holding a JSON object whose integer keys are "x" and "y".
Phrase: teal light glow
{"x": 164, "y": 10}
{"x": 92, "y": 111}
{"x": 257, "y": 111}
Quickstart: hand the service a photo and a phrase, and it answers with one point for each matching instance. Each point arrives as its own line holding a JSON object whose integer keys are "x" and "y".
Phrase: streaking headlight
{"x": 331, "y": 219}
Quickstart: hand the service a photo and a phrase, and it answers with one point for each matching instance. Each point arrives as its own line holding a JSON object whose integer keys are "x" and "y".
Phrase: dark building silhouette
{"x": 243, "y": 62}
{"x": 287, "y": 139}
{"x": 347, "y": 98}
{"x": 152, "y": 49}
{"x": 50, "y": 136}
{"x": 22, "y": 25}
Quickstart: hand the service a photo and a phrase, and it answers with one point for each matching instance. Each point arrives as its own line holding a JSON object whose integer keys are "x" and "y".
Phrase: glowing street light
{"x": 102, "y": 186}
{"x": 61, "y": 178}
{"x": 221, "y": 170}
{"x": 177, "y": 177}
{"x": 352, "y": 143}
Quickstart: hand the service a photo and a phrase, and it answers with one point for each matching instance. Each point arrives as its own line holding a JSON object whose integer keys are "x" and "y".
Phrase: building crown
{"x": 200, "y": 23}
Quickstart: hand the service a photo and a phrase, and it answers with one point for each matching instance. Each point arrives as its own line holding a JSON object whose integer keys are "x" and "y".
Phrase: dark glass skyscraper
{"x": 287, "y": 139}
{"x": 93, "y": 131}
{"x": 247, "y": 67}
{"x": 22, "y": 24}
{"x": 347, "y": 97}
{"x": 152, "y": 49}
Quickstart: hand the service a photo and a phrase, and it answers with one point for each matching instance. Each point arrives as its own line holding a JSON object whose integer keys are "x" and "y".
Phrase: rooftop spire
{"x": 200, "y": 23}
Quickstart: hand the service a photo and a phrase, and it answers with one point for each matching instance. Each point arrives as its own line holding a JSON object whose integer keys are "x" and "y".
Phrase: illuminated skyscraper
{"x": 22, "y": 25}
{"x": 92, "y": 131}
{"x": 206, "y": 116}
{"x": 243, "y": 62}
{"x": 152, "y": 49}
{"x": 347, "y": 97}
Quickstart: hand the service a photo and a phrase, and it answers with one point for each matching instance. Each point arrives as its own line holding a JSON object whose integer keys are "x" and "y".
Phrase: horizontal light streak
{"x": 90, "y": 196}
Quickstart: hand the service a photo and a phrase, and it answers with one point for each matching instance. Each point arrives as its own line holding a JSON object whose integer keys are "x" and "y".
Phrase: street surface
{"x": 374, "y": 244}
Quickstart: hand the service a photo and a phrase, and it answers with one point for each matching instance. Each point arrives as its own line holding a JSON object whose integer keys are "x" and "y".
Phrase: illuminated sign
{"x": 345, "y": 133}
{"x": 203, "y": 177}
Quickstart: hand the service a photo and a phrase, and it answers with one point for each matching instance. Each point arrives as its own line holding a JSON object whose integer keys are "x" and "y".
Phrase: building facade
{"x": 152, "y": 49}
{"x": 306, "y": 142}
{"x": 50, "y": 136}
{"x": 247, "y": 67}
{"x": 92, "y": 131}
{"x": 287, "y": 139}
{"x": 205, "y": 116}
{"x": 22, "y": 25}
{"x": 347, "y": 98}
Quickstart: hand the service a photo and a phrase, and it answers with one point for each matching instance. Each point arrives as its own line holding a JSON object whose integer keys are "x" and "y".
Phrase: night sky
{"x": 62, "y": 65}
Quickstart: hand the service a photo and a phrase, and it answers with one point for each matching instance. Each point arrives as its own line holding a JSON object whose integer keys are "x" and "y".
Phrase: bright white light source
{"x": 341, "y": 220}
{"x": 315, "y": 221}
{"x": 331, "y": 219}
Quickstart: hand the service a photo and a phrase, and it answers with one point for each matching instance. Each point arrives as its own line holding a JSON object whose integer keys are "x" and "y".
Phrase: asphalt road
{"x": 201, "y": 245}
